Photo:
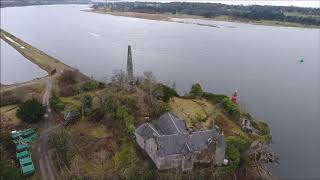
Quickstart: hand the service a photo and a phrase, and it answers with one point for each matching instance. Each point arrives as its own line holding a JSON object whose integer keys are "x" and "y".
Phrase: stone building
{"x": 170, "y": 145}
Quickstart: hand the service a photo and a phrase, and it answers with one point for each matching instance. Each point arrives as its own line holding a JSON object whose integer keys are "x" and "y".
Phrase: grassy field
{"x": 75, "y": 102}
{"x": 197, "y": 112}
{"x": 16, "y": 93}
{"x": 9, "y": 113}
{"x": 299, "y": 14}
{"x": 266, "y": 22}
{"x": 90, "y": 129}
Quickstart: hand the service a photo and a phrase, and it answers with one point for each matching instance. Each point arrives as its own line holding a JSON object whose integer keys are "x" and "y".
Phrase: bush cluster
{"x": 158, "y": 108}
{"x": 9, "y": 171}
{"x": 58, "y": 142}
{"x": 231, "y": 109}
{"x": 135, "y": 173}
{"x": 55, "y": 103}
{"x": 31, "y": 111}
{"x": 235, "y": 146}
{"x": 86, "y": 103}
{"x": 196, "y": 90}
{"x": 264, "y": 130}
{"x": 214, "y": 98}
{"x": 168, "y": 93}
{"x": 123, "y": 114}
{"x": 68, "y": 77}
{"x": 91, "y": 85}
{"x": 7, "y": 150}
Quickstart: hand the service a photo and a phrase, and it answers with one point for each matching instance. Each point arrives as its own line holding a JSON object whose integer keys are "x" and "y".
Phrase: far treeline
{"x": 305, "y": 16}
{"x": 11, "y": 3}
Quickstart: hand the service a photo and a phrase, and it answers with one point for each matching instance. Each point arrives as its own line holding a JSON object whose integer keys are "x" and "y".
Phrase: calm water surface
{"x": 15, "y": 68}
{"x": 261, "y": 62}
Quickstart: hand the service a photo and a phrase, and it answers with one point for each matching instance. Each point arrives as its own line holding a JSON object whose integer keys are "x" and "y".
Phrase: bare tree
{"x": 118, "y": 78}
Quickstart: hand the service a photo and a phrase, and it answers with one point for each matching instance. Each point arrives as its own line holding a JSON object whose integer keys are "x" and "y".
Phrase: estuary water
{"x": 15, "y": 68}
{"x": 261, "y": 62}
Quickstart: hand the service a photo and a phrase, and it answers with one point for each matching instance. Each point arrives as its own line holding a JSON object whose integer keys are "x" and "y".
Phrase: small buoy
{"x": 301, "y": 61}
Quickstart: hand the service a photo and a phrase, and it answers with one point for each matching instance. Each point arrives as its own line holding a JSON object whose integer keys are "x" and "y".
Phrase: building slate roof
{"x": 174, "y": 144}
{"x": 199, "y": 140}
{"x": 181, "y": 124}
{"x": 172, "y": 136}
{"x": 166, "y": 125}
{"x": 146, "y": 131}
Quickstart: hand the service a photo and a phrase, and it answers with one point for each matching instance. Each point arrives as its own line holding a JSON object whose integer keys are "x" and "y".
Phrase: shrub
{"x": 248, "y": 116}
{"x": 89, "y": 86}
{"x": 264, "y": 128}
{"x": 5, "y": 140}
{"x": 55, "y": 103}
{"x": 242, "y": 143}
{"x": 231, "y": 109}
{"x": 59, "y": 143}
{"x": 31, "y": 111}
{"x": 158, "y": 108}
{"x": 7, "y": 150}
{"x": 167, "y": 93}
{"x": 110, "y": 105}
{"x": 235, "y": 146}
{"x": 9, "y": 171}
{"x": 131, "y": 128}
{"x": 233, "y": 154}
{"x": 123, "y": 114}
{"x": 68, "y": 90}
{"x": 101, "y": 85}
{"x": 68, "y": 77}
{"x": 196, "y": 90}
{"x": 86, "y": 103}
{"x": 138, "y": 173}
{"x": 97, "y": 115}
{"x": 215, "y": 98}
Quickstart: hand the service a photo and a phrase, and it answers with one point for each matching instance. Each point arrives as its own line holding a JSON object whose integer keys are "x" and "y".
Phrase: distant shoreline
{"x": 169, "y": 17}
{"x": 6, "y": 4}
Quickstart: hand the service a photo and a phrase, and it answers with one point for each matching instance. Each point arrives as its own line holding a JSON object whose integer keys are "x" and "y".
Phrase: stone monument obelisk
{"x": 130, "y": 68}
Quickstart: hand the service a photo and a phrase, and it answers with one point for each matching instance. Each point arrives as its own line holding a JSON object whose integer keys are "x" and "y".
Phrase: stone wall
{"x": 219, "y": 155}
{"x": 140, "y": 141}
{"x": 168, "y": 162}
{"x": 151, "y": 148}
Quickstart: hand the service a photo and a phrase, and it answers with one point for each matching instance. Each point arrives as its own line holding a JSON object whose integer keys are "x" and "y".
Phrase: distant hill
{"x": 10, "y": 3}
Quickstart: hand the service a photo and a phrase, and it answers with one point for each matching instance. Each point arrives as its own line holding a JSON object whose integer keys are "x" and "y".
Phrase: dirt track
{"x": 42, "y": 146}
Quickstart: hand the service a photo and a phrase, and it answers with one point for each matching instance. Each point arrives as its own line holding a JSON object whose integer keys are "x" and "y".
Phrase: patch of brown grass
{"x": 22, "y": 92}
{"x": 9, "y": 115}
{"x": 189, "y": 109}
{"x": 197, "y": 112}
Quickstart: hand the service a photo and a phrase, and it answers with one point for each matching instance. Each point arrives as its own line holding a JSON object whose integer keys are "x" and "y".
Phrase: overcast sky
{"x": 299, "y": 3}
